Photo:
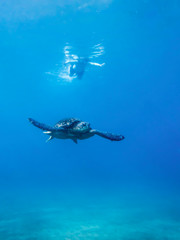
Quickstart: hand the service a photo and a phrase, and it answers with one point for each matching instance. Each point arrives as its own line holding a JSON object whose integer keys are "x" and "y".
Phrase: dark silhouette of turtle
{"x": 75, "y": 129}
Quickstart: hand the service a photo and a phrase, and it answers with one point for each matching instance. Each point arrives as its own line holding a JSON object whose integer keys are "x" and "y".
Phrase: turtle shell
{"x": 73, "y": 125}
{"x": 68, "y": 123}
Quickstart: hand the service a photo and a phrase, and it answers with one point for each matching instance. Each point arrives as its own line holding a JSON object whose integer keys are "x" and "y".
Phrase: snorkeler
{"x": 77, "y": 68}
{"x": 74, "y": 66}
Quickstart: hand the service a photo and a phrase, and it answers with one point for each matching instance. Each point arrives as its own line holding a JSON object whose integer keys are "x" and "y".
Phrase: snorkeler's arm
{"x": 97, "y": 64}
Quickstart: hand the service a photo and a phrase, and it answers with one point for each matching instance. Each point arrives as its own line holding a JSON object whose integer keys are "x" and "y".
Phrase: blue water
{"x": 96, "y": 189}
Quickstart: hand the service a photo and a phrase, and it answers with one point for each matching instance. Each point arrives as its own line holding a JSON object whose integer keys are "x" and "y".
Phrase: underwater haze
{"x": 114, "y": 64}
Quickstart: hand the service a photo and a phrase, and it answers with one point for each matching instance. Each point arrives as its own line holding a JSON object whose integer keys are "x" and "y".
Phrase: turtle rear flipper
{"x": 110, "y": 136}
{"x": 75, "y": 140}
{"x": 40, "y": 125}
{"x": 50, "y": 138}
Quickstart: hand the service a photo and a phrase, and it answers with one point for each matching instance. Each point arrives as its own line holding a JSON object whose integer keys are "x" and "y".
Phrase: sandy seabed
{"x": 89, "y": 218}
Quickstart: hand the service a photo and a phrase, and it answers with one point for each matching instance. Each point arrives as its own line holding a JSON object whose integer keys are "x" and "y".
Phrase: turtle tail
{"x": 110, "y": 136}
{"x": 40, "y": 125}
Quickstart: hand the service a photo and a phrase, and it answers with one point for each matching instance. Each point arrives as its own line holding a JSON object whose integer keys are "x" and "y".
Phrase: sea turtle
{"x": 73, "y": 128}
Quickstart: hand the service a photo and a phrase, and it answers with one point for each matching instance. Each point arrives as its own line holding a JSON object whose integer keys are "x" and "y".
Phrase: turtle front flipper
{"x": 40, "y": 125}
{"x": 110, "y": 136}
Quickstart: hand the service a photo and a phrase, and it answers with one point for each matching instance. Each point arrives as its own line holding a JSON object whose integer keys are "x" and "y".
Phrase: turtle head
{"x": 84, "y": 127}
